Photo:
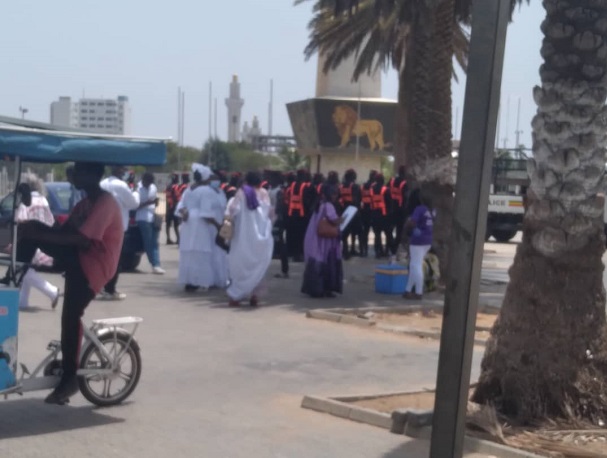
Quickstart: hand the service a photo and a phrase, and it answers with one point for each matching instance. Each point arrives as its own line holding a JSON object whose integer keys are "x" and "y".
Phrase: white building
{"x": 250, "y": 132}
{"x": 102, "y": 116}
{"x": 234, "y": 104}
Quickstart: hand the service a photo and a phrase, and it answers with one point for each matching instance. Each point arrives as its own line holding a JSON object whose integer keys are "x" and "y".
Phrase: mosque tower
{"x": 234, "y": 104}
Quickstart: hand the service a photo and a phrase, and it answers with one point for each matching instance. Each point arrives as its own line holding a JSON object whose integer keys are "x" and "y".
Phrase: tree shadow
{"x": 32, "y": 417}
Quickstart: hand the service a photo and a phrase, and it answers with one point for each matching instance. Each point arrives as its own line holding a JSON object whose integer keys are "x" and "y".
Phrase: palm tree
{"x": 547, "y": 355}
{"x": 389, "y": 32}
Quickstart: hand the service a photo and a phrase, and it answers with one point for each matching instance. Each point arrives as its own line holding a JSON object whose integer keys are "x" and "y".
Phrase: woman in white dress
{"x": 202, "y": 264}
{"x": 252, "y": 243}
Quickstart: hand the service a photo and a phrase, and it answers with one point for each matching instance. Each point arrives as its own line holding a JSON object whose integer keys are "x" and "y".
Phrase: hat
{"x": 203, "y": 170}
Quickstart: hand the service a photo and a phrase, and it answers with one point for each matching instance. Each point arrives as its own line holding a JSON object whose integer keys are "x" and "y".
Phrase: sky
{"x": 146, "y": 49}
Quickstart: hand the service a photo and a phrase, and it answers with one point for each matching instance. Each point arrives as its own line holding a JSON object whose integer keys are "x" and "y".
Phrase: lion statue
{"x": 348, "y": 125}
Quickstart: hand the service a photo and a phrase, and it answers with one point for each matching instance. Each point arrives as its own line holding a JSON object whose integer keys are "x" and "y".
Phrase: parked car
{"x": 58, "y": 196}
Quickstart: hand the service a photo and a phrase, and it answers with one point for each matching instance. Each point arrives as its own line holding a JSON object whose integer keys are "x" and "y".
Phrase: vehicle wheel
{"x": 503, "y": 236}
{"x": 113, "y": 389}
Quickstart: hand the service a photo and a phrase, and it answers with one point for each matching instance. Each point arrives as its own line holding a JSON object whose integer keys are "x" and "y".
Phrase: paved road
{"x": 220, "y": 382}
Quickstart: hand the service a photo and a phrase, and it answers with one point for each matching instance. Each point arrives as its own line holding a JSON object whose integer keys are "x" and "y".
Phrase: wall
{"x": 342, "y": 162}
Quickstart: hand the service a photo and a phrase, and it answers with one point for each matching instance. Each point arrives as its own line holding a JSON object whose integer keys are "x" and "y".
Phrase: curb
{"x": 411, "y": 423}
{"x": 349, "y": 412}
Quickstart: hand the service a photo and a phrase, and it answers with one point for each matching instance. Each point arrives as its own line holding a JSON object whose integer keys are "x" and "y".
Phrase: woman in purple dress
{"x": 323, "y": 275}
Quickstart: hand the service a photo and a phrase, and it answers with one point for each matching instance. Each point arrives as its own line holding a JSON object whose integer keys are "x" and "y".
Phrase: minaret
{"x": 234, "y": 104}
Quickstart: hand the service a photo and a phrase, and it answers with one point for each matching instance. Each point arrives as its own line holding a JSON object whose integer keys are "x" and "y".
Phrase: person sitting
{"x": 87, "y": 248}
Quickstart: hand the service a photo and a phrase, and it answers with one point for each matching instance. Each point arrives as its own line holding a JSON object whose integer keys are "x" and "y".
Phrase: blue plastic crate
{"x": 391, "y": 279}
{"x": 9, "y": 324}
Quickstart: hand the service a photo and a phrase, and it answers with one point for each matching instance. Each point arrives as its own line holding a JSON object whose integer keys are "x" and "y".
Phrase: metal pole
{"x": 518, "y": 125}
{"x": 17, "y": 180}
{"x": 271, "y": 108}
{"x": 487, "y": 42}
{"x": 358, "y": 119}
{"x": 179, "y": 116}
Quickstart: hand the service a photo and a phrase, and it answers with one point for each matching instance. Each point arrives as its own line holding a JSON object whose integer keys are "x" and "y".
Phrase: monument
{"x": 347, "y": 124}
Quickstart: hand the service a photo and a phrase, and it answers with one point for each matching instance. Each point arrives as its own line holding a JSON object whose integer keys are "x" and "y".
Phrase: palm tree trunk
{"x": 547, "y": 355}
{"x": 440, "y": 173}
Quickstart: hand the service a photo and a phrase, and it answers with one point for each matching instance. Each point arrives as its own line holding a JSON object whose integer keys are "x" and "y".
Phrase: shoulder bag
{"x": 326, "y": 230}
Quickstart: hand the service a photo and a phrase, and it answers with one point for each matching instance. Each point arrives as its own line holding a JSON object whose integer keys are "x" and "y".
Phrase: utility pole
{"x": 518, "y": 127}
{"x": 487, "y": 43}
{"x": 23, "y": 111}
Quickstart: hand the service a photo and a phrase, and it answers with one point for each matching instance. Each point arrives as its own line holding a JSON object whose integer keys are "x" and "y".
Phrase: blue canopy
{"x": 34, "y": 145}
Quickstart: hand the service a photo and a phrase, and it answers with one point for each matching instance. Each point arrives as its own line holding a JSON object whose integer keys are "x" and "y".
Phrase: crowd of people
{"x": 294, "y": 207}
{"x": 227, "y": 229}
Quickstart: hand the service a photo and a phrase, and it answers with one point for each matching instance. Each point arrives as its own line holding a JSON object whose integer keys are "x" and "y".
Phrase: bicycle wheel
{"x": 109, "y": 390}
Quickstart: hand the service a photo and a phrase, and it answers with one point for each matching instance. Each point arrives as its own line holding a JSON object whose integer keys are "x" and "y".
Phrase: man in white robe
{"x": 202, "y": 263}
{"x": 252, "y": 243}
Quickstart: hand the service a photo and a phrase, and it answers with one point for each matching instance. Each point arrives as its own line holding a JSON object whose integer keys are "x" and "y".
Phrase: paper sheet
{"x": 347, "y": 216}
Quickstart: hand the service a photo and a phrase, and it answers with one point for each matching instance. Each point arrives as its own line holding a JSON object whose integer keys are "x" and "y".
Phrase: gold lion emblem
{"x": 348, "y": 125}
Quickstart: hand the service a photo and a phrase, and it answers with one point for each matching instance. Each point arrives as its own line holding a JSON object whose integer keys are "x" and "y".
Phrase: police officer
{"x": 399, "y": 191}
{"x": 172, "y": 193}
{"x": 301, "y": 198}
{"x": 381, "y": 203}
{"x": 350, "y": 195}
{"x": 366, "y": 213}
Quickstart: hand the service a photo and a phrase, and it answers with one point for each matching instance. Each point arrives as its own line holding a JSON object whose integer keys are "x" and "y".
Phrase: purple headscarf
{"x": 251, "y": 196}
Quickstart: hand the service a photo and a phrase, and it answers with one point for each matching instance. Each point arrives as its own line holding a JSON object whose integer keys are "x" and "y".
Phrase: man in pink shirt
{"x": 87, "y": 247}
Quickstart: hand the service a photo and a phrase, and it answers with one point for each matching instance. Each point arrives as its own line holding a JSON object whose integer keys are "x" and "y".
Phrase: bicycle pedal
{"x": 24, "y": 369}
{"x": 54, "y": 345}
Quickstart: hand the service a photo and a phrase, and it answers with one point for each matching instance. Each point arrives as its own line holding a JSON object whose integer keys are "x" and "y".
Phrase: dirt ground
{"x": 431, "y": 322}
{"x": 554, "y": 442}
{"x": 387, "y": 404}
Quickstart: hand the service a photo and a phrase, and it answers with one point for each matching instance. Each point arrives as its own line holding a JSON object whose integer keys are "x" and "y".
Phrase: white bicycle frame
{"x": 36, "y": 382}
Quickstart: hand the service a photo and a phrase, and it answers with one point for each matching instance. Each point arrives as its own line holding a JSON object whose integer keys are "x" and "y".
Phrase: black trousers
{"x": 281, "y": 248}
{"x": 78, "y": 294}
{"x": 399, "y": 222}
{"x": 172, "y": 220}
{"x": 382, "y": 225}
{"x": 296, "y": 227}
{"x": 366, "y": 223}
{"x": 353, "y": 231}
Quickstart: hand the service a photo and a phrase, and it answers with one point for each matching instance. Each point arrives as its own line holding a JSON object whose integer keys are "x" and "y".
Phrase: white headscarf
{"x": 205, "y": 172}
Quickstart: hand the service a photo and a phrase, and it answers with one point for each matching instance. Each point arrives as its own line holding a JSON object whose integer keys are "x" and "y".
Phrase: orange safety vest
{"x": 396, "y": 192}
{"x": 171, "y": 195}
{"x": 296, "y": 200}
{"x": 345, "y": 194}
{"x": 319, "y": 189}
{"x": 179, "y": 190}
{"x": 367, "y": 199}
{"x": 379, "y": 201}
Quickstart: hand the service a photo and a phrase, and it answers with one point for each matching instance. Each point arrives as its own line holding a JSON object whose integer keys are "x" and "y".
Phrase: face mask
{"x": 215, "y": 184}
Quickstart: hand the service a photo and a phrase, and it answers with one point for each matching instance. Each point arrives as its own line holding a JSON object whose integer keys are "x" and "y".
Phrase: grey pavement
{"x": 221, "y": 382}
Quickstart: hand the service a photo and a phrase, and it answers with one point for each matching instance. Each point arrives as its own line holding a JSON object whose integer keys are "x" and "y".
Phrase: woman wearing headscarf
{"x": 324, "y": 272}
{"x": 202, "y": 263}
{"x": 252, "y": 243}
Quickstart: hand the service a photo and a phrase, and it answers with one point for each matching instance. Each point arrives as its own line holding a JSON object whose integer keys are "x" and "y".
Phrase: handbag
{"x": 226, "y": 231}
{"x": 327, "y": 230}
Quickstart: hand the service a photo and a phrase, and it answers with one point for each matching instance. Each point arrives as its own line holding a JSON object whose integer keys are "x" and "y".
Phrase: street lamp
{"x": 23, "y": 111}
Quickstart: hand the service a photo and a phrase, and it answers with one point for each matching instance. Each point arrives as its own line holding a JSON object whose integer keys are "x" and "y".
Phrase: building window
{"x": 84, "y": 118}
